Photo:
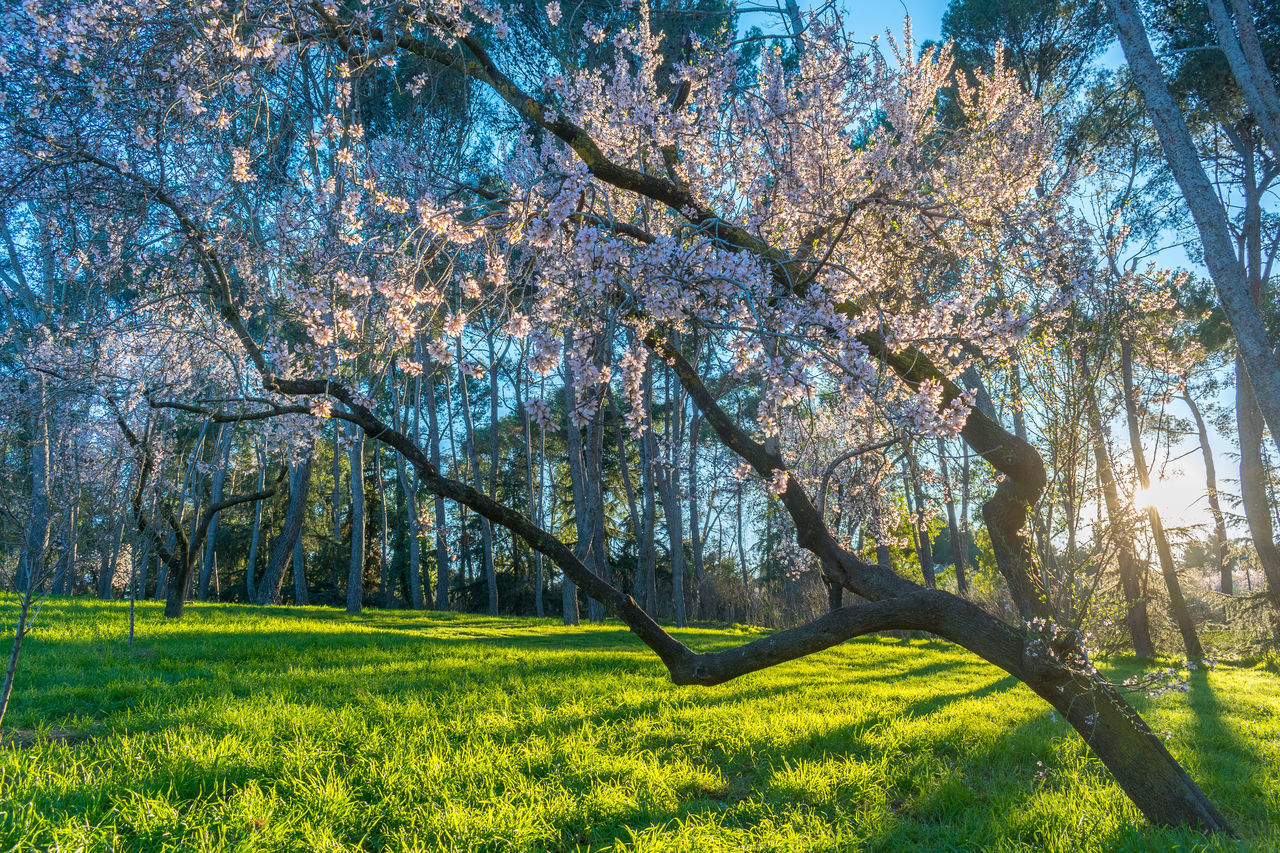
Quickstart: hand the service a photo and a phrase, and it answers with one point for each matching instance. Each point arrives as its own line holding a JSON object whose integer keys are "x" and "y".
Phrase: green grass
{"x": 304, "y": 729}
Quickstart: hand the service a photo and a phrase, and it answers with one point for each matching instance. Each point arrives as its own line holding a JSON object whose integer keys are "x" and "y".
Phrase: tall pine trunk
{"x": 1130, "y": 582}
{"x": 1226, "y": 564}
{"x": 1177, "y": 602}
{"x": 355, "y": 568}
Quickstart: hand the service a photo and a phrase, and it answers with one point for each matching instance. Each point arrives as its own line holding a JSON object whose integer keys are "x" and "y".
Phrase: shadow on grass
{"x": 179, "y": 668}
{"x": 1231, "y": 766}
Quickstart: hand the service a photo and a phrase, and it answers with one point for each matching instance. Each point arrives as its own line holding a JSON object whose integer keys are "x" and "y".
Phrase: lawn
{"x": 304, "y": 729}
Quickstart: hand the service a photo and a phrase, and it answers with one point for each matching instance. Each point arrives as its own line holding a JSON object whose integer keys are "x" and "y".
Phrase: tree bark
{"x": 647, "y": 550}
{"x": 282, "y": 548}
{"x": 300, "y": 597}
{"x": 667, "y": 481}
{"x": 1253, "y": 488}
{"x": 1248, "y": 66}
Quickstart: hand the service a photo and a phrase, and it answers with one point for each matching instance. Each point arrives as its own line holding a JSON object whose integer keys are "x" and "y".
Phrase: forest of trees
{"x": 672, "y": 314}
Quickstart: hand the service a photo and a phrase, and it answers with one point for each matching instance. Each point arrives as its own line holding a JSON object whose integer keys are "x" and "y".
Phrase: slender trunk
{"x": 647, "y": 550}
{"x": 530, "y": 490}
{"x": 355, "y": 568}
{"x": 1177, "y": 602}
{"x": 335, "y": 506}
{"x": 742, "y": 551}
{"x": 19, "y": 634}
{"x": 384, "y": 568}
{"x": 136, "y": 584}
{"x": 578, "y": 486}
{"x": 598, "y": 554}
{"x": 492, "y": 577}
{"x": 473, "y": 459}
{"x": 442, "y": 544}
{"x": 409, "y": 489}
{"x": 250, "y": 566}
{"x": 107, "y": 581}
{"x": 923, "y": 537}
{"x": 1226, "y": 564}
{"x": 1130, "y": 582}
{"x": 1253, "y": 467}
{"x": 65, "y": 579}
{"x": 695, "y": 526}
{"x": 953, "y": 528}
{"x": 221, "y": 458}
{"x": 667, "y": 480}
{"x": 35, "y": 545}
{"x": 541, "y": 519}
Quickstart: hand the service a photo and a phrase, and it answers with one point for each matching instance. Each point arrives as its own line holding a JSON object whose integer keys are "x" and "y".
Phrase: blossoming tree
{"x": 798, "y": 220}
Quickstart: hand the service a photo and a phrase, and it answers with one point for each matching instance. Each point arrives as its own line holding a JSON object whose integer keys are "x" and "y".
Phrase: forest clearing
{"x": 238, "y": 728}
{"x": 697, "y": 424}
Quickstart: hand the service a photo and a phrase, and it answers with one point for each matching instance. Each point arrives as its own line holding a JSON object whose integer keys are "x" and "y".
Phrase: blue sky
{"x": 873, "y": 18}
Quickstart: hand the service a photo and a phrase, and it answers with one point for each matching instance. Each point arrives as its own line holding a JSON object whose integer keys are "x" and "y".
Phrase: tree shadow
{"x": 911, "y": 771}
{"x": 1226, "y": 759}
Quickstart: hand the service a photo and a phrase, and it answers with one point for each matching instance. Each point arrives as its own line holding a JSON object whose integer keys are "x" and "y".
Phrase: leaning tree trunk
{"x": 1049, "y": 661}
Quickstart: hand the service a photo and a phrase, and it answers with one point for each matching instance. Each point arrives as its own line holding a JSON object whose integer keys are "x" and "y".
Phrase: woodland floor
{"x": 304, "y": 729}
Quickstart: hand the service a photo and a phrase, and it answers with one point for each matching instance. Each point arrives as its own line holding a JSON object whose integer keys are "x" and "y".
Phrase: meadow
{"x": 303, "y": 729}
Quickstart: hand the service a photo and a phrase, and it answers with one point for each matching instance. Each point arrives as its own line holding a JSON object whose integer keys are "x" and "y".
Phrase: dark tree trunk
{"x": 282, "y": 549}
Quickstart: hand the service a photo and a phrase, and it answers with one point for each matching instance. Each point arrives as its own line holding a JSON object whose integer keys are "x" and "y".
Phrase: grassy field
{"x": 305, "y": 729}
